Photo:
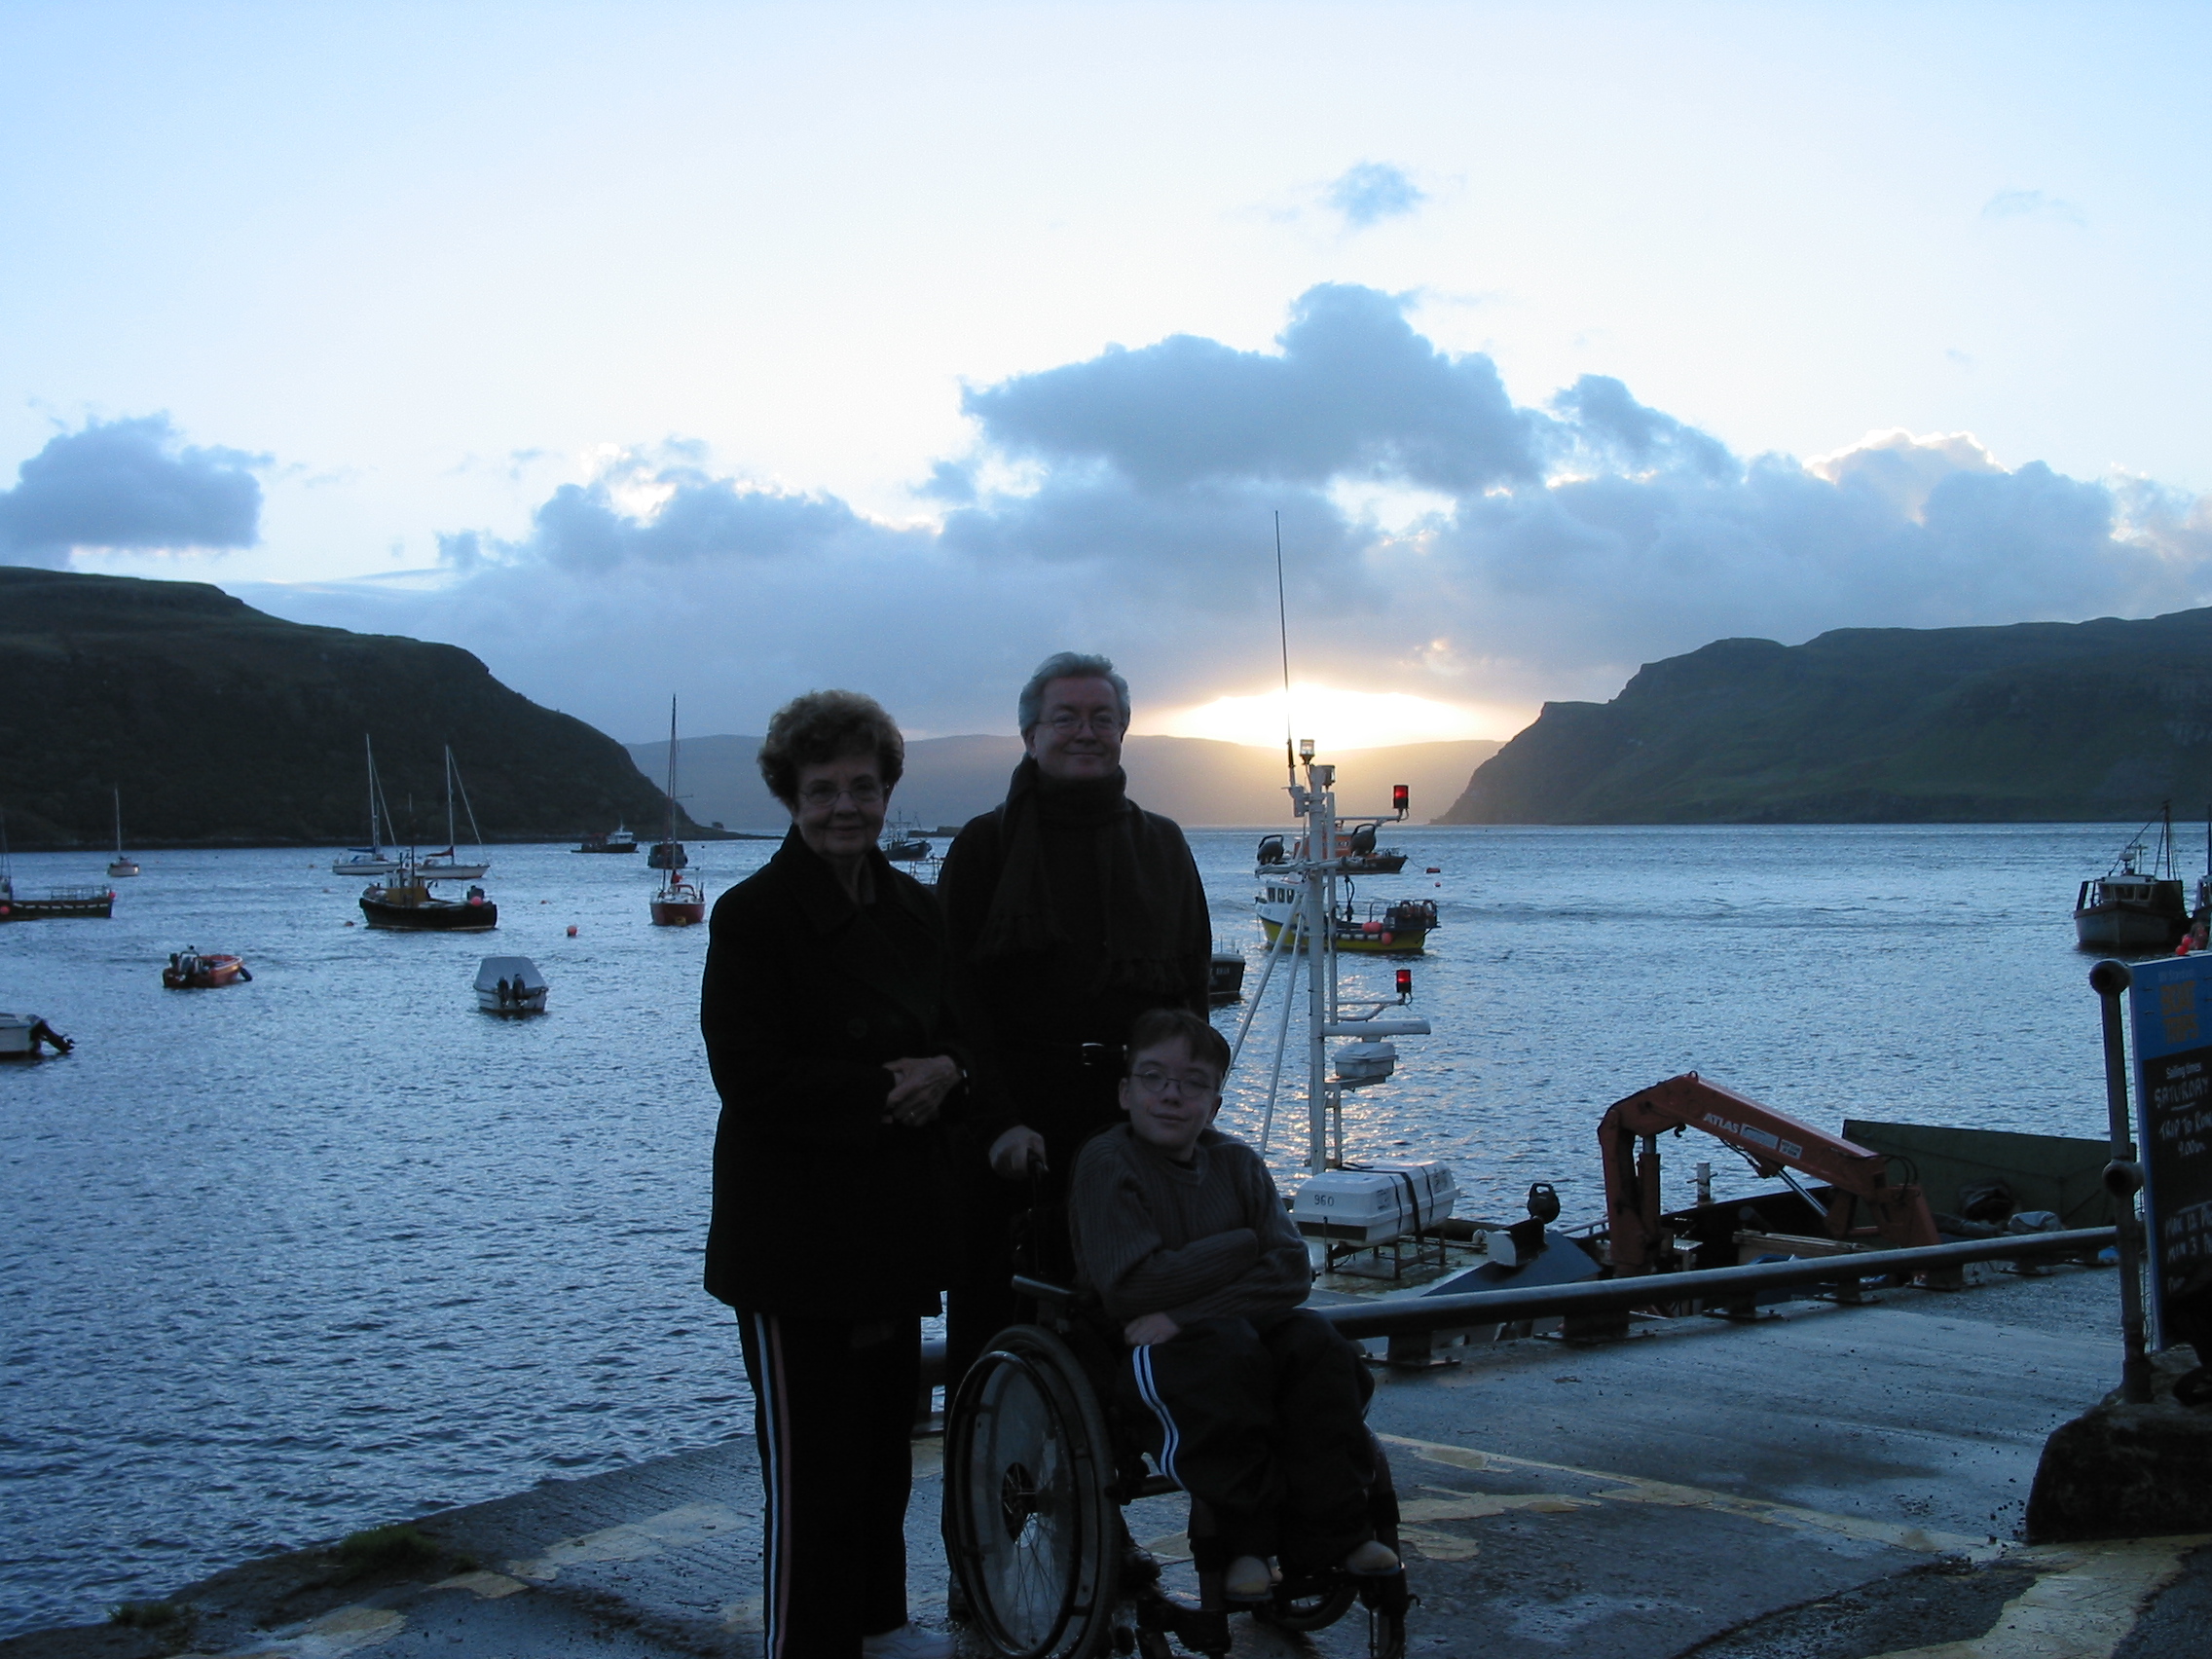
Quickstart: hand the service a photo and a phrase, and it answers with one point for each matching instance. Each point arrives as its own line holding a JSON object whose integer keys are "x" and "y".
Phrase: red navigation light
{"x": 1405, "y": 984}
{"x": 1401, "y": 799}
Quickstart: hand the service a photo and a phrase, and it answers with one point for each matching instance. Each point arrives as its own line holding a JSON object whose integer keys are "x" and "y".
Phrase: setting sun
{"x": 1339, "y": 720}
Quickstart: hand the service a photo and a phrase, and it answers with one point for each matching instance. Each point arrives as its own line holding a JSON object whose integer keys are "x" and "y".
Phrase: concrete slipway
{"x": 1830, "y": 1483}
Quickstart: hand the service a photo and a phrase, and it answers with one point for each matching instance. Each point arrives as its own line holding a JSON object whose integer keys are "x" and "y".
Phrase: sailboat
{"x": 56, "y": 902}
{"x": 679, "y": 904}
{"x": 371, "y": 859}
{"x": 123, "y": 864}
{"x": 444, "y": 866}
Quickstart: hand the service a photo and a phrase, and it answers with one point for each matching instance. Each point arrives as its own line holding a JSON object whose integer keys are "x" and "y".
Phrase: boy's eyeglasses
{"x": 1154, "y": 1080}
{"x": 867, "y": 792}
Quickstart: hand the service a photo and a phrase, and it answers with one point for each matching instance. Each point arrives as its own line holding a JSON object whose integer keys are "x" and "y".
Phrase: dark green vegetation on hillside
{"x": 223, "y": 725}
{"x": 2045, "y": 720}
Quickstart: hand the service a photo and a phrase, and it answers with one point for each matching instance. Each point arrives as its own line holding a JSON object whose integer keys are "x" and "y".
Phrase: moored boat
{"x": 2139, "y": 905}
{"x": 371, "y": 859}
{"x": 902, "y": 843}
{"x": 621, "y": 839}
{"x": 509, "y": 985}
{"x": 123, "y": 863}
{"x": 677, "y": 903}
{"x": 1224, "y": 977}
{"x": 193, "y": 970}
{"x": 56, "y": 904}
{"x": 445, "y": 865}
{"x": 1399, "y": 927}
{"x": 23, "y": 1035}
{"x": 408, "y": 906}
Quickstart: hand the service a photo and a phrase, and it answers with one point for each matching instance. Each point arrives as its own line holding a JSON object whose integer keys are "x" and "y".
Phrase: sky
{"x": 731, "y": 351}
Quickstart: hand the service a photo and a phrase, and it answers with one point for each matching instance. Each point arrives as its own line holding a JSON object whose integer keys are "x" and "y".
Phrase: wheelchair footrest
{"x": 1385, "y": 1593}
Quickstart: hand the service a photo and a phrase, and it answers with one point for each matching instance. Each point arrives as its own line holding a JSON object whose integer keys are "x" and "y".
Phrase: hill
{"x": 2040, "y": 721}
{"x": 225, "y": 726}
{"x": 1194, "y": 781}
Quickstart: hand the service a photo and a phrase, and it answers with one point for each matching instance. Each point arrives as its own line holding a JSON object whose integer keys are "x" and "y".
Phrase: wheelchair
{"x": 1039, "y": 1461}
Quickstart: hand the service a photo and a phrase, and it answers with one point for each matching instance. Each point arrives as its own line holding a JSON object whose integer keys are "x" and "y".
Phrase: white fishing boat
{"x": 2139, "y": 905}
{"x": 123, "y": 863}
{"x": 509, "y": 985}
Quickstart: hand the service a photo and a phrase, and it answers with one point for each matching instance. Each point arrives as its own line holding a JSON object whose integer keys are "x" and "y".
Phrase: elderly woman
{"x": 825, "y": 1014}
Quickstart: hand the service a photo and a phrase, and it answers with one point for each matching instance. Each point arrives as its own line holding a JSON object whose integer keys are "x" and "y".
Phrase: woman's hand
{"x": 1017, "y": 1153}
{"x": 918, "y": 1088}
{"x": 1149, "y": 1328}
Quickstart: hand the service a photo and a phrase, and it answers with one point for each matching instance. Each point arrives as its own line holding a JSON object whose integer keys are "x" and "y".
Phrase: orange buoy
{"x": 572, "y": 929}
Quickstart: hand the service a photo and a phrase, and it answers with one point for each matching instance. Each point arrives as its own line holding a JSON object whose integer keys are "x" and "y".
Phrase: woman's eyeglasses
{"x": 867, "y": 792}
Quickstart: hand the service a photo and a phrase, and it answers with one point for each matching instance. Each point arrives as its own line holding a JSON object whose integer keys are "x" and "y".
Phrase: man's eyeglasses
{"x": 867, "y": 792}
{"x": 1155, "y": 1080}
{"x": 1066, "y": 722}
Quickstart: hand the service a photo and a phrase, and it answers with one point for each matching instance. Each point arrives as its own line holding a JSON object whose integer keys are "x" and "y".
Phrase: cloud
{"x": 129, "y": 484}
{"x": 1125, "y": 502}
{"x": 1372, "y": 191}
{"x": 2032, "y": 204}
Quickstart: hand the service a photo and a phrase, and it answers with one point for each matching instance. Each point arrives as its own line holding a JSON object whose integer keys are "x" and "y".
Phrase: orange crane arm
{"x": 1773, "y": 1140}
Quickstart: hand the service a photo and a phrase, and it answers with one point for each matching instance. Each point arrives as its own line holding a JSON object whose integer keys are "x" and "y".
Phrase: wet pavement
{"x": 1827, "y": 1483}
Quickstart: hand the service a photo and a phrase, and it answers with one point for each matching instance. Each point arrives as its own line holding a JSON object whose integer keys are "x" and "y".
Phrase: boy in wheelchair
{"x": 1256, "y": 1406}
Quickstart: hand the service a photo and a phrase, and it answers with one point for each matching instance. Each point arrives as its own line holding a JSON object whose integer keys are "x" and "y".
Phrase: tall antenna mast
{"x": 1282, "y": 629}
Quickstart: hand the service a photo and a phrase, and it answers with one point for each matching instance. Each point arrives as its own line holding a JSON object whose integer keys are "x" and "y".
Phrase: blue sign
{"x": 2170, "y": 1007}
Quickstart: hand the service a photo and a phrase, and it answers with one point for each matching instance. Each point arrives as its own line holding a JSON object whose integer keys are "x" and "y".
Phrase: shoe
{"x": 1372, "y": 1560}
{"x": 908, "y": 1641}
{"x": 1247, "y": 1580}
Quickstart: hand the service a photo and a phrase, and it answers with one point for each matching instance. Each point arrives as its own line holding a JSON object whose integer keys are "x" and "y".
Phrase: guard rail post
{"x": 2123, "y": 1179}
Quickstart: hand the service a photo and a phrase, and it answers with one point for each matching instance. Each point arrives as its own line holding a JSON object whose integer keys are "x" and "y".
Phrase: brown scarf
{"x": 1140, "y": 871}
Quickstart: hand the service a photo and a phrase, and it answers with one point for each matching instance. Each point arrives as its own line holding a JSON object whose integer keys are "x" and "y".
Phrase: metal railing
{"x": 1413, "y": 1316}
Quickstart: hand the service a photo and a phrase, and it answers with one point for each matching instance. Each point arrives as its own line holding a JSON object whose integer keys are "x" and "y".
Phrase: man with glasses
{"x": 1256, "y": 1405}
{"x": 1070, "y": 912}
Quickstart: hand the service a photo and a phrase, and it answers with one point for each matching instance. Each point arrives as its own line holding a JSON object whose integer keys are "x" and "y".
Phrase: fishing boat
{"x": 445, "y": 865}
{"x": 1356, "y": 850}
{"x": 407, "y": 905}
{"x": 194, "y": 970}
{"x": 509, "y": 985}
{"x": 621, "y": 839}
{"x": 56, "y": 904}
{"x": 1225, "y": 977}
{"x": 121, "y": 864}
{"x": 24, "y": 1036}
{"x": 677, "y": 903}
{"x": 1399, "y": 927}
{"x": 2139, "y": 904}
{"x": 902, "y": 843}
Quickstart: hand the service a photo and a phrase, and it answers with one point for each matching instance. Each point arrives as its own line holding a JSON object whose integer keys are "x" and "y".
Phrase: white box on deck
{"x": 1374, "y": 1204}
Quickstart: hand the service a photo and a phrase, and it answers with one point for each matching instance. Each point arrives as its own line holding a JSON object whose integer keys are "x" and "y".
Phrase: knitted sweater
{"x": 1211, "y": 1242}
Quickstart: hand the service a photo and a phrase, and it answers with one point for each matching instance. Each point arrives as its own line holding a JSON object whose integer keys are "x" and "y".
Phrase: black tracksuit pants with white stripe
{"x": 833, "y": 1408}
{"x": 1266, "y": 1424}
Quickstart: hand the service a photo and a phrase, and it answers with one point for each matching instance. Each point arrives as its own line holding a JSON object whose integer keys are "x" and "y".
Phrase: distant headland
{"x": 2047, "y": 722}
{"x": 225, "y": 727}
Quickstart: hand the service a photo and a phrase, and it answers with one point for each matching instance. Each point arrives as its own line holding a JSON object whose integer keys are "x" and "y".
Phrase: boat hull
{"x": 122, "y": 866}
{"x": 411, "y": 914}
{"x": 364, "y": 866}
{"x": 1224, "y": 977}
{"x": 667, "y": 855}
{"x": 206, "y": 974}
{"x": 530, "y": 1001}
{"x": 678, "y": 912}
{"x": 432, "y": 871}
{"x": 2127, "y": 927}
{"x": 58, "y": 907}
{"x": 1356, "y": 939}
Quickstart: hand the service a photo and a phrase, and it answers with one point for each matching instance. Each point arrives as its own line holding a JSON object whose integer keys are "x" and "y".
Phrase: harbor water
{"x": 332, "y": 1249}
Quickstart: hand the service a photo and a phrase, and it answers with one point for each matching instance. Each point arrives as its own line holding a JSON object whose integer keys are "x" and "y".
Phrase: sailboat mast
{"x": 1282, "y": 634}
{"x": 670, "y": 769}
{"x": 449, "y": 796}
{"x": 118, "y": 821}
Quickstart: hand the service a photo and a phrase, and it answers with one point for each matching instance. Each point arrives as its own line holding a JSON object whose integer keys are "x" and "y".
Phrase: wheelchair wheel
{"x": 1311, "y": 1606}
{"x": 1030, "y": 1525}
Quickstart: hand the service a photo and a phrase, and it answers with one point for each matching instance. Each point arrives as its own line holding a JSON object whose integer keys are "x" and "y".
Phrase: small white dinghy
{"x": 509, "y": 985}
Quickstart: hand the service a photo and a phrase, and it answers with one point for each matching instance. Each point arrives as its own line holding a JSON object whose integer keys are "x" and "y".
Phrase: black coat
{"x": 822, "y": 1209}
